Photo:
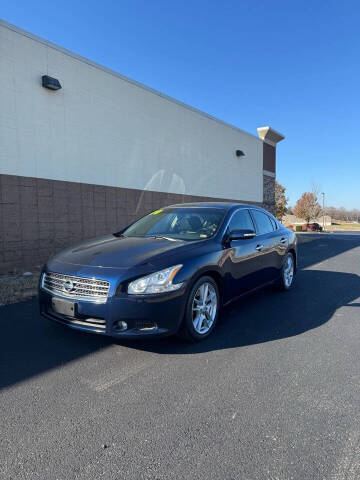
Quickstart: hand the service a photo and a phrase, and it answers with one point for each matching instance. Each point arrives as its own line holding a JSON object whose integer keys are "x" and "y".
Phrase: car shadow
{"x": 270, "y": 315}
{"x": 30, "y": 345}
{"x": 316, "y": 247}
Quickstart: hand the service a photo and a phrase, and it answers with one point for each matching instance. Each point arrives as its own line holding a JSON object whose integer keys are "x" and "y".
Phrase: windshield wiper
{"x": 162, "y": 236}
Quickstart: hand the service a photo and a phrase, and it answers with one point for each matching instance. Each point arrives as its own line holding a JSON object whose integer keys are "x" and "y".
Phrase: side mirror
{"x": 241, "y": 235}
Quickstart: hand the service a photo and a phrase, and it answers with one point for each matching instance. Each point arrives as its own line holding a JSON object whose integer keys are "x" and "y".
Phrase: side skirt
{"x": 250, "y": 292}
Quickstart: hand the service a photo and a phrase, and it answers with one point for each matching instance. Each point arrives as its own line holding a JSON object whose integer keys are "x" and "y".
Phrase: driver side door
{"x": 242, "y": 258}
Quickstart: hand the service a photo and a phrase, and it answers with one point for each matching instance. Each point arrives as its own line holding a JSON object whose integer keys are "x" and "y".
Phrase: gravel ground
{"x": 17, "y": 287}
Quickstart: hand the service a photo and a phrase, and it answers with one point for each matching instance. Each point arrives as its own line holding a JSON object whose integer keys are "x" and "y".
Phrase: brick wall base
{"x": 269, "y": 193}
{"x": 39, "y": 217}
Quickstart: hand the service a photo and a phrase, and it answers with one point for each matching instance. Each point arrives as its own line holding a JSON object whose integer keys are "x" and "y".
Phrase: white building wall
{"x": 101, "y": 128}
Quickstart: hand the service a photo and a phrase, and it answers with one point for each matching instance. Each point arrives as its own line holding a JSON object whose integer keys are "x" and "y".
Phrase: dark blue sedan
{"x": 169, "y": 272}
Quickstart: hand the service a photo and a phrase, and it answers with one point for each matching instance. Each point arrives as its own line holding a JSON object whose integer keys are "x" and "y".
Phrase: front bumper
{"x": 149, "y": 315}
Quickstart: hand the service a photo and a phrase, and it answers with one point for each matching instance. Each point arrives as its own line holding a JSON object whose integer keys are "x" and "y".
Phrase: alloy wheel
{"x": 288, "y": 271}
{"x": 204, "y": 308}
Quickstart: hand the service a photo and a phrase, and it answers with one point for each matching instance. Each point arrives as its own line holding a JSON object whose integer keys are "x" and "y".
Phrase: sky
{"x": 290, "y": 64}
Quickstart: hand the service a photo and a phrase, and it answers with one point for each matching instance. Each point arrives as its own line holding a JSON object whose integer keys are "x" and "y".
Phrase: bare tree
{"x": 315, "y": 206}
{"x": 308, "y": 207}
{"x": 343, "y": 214}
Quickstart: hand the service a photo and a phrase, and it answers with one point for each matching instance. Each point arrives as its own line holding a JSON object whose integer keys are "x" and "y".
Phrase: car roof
{"x": 223, "y": 205}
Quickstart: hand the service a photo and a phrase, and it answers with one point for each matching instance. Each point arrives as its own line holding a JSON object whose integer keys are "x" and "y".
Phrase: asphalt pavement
{"x": 273, "y": 394}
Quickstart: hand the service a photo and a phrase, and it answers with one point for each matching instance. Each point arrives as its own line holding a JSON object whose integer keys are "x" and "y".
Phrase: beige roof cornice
{"x": 269, "y": 135}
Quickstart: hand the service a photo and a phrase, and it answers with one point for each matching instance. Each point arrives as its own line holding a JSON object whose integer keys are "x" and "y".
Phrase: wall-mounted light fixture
{"x": 50, "y": 83}
{"x": 240, "y": 153}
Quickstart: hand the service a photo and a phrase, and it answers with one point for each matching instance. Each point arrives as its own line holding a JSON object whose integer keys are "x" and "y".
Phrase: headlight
{"x": 156, "y": 282}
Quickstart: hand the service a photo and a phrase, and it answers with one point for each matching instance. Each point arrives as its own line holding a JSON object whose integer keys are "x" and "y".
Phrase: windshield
{"x": 178, "y": 223}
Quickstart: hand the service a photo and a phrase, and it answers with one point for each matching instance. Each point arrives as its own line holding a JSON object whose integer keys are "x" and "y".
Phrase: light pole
{"x": 323, "y": 195}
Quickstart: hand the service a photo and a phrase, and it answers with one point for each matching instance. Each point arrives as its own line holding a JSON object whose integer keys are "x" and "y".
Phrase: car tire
{"x": 202, "y": 310}
{"x": 287, "y": 277}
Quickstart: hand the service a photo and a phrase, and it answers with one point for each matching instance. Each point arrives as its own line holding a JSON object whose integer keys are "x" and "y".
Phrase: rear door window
{"x": 263, "y": 222}
{"x": 241, "y": 220}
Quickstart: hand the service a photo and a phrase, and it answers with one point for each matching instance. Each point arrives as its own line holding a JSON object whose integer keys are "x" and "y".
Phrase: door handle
{"x": 259, "y": 247}
{"x": 283, "y": 240}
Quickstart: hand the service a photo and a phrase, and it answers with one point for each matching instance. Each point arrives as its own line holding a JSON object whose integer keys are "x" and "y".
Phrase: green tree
{"x": 280, "y": 201}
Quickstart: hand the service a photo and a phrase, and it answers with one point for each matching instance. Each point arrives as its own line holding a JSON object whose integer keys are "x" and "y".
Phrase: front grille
{"x": 76, "y": 287}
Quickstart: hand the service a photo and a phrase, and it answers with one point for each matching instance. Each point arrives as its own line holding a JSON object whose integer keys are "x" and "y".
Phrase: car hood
{"x": 119, "y": 252}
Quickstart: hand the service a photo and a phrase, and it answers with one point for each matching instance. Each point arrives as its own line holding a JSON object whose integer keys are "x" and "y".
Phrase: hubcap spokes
{"x": 289, "y": 271}
{"x": 204, "y": 308}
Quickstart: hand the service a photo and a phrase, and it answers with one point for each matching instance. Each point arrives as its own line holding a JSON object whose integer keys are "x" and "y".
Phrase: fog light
{"x": 145, "y": 325}
{"x": 122, "y": 325}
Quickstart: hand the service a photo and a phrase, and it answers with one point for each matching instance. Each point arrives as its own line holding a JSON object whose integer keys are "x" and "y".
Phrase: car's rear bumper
{"x": 153, "y": 315}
